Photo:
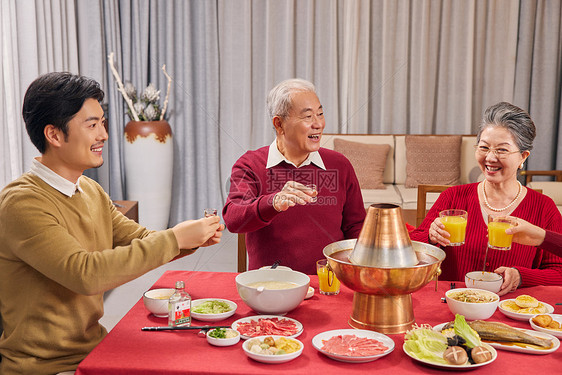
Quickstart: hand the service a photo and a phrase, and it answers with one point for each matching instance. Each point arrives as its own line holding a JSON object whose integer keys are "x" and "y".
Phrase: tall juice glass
{"x": 455, "y": 224}
{"x": 327, "y": 280}
{"x": 497, "y": 238}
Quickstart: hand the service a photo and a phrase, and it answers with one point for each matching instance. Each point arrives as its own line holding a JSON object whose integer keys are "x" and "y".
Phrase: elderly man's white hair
{"x": 279, "y": 98}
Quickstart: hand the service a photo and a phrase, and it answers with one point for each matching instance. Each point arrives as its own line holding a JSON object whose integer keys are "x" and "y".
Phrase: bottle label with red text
{"x": 182, "y": 313}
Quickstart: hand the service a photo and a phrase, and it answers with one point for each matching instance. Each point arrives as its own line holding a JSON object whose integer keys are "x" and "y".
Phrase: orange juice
{"x": 497, "y": 238}
{"x": 327, "y": 280}
{"x": 456, "y": 227}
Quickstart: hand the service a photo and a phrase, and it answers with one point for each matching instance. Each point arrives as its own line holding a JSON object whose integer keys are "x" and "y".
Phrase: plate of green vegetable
{"x": 458, "y": 349}
{"x": 212, "y": 309}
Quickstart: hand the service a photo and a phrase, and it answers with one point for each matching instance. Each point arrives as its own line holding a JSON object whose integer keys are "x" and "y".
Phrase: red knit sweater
{"x": 537, "y": 267}
{"x": 297, "y": 236}
{"x": 553, "y": 243}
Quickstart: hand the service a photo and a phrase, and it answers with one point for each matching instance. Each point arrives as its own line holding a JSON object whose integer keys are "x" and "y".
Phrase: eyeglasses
{"x": 501, "y": 153}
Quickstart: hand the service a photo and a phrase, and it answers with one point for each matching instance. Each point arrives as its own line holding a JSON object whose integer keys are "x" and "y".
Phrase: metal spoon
{"x": 274, "y": 266}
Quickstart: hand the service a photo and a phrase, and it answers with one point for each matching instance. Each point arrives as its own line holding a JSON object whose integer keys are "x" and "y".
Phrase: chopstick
{"x": 181, "y": 328}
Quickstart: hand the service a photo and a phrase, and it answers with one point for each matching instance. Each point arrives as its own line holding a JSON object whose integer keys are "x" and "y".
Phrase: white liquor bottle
{"x": 179, "y": 307}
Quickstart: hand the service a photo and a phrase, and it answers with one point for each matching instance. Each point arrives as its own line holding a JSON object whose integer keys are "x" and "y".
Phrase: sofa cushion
{"x": 390, "y": 195}
{"x": 368, "y": 160}
{"x": 388, "y": 177}
{"x": 433, "y": 160}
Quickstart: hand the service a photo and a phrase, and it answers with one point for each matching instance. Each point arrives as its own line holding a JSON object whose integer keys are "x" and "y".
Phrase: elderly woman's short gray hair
{"x": 279, "y": 98}
{"x": 514, "y": 119}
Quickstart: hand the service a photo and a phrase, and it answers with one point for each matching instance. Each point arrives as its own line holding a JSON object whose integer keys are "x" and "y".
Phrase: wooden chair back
{"x": 242, "y": 260}
{"x": 530, "y": 174}
{"x": 423, "y": 189}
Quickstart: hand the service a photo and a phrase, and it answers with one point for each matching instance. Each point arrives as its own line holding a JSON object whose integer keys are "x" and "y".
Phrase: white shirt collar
{"x": 274, "y": 157}
{"x": 55, "y": 180}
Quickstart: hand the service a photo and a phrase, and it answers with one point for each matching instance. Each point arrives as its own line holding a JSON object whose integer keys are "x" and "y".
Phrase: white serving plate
{"x": 553, "y": 332}
{"x": 212, "y": 317}
{"x": 517, "y": 348}
{"x": 310, "y": 293}
{"x": 387, "y": 341}
{"x": 457, "y": 367}
{"x": 282, "y": 358}
{"x": 520, "y": 316}
{"x": 257, "y": 317}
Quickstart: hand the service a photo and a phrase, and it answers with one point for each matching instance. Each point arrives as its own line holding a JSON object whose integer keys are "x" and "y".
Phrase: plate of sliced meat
{"x": 353, "y": 345}
{"x": 263, "y": 325}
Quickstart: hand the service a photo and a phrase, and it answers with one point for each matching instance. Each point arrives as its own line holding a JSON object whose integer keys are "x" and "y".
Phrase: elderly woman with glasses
{"x": 504, "y": 142}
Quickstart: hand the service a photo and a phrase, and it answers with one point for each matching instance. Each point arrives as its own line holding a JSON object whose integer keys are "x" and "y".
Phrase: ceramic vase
{"x": 149, "y": 157}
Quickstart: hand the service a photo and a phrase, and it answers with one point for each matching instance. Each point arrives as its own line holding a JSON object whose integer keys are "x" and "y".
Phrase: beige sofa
{"x": 394, "y": 176}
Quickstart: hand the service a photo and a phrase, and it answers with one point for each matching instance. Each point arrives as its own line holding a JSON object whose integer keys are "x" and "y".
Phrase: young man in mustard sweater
{"x": 62, "y": 242}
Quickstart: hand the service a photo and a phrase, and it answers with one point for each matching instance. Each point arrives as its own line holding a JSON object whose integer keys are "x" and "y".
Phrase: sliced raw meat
{"x": 267, "y": 326}
{"x": 353, "y": 346}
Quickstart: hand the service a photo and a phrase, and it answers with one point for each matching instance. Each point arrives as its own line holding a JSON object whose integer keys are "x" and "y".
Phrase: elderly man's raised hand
{"x": 293, "y": 193}
{"x": 195, "y": 233}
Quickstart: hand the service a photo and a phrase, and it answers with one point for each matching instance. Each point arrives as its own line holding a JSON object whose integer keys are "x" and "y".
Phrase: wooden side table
{"x": 129, "y": 209}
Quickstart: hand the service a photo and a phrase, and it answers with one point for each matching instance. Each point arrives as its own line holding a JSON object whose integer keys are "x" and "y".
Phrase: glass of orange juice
{"x": 327, "y": 280}
{"x": 497, "y": 238}
{"x": 455, "y": 224}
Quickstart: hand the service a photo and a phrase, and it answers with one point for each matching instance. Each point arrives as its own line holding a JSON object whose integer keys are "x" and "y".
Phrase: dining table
{"x": 128, "y": 350}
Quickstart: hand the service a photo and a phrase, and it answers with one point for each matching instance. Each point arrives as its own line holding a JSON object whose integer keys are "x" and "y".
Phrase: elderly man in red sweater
{"x": 293, "y": 198}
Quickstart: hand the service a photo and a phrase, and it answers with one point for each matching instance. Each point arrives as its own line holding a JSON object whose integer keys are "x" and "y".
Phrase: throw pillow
{"x": 433, "y": 160}
{"x": 368, "y": 160}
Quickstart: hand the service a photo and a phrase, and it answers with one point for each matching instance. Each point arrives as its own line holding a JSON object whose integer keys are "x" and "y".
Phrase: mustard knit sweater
{"x": 58, "y": 255}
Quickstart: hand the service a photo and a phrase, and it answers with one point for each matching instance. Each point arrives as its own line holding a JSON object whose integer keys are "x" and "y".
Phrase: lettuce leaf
{"x": 463, "y": 330}
{"x": 426, "y": 344}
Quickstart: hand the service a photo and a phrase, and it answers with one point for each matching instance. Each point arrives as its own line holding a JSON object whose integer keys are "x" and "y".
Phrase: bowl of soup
{"x": 156, "y": 301}
{"x": 274, "y": 292}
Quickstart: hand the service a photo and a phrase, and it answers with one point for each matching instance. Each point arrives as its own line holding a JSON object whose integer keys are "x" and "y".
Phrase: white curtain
{"x": 380, "y": 66}
{"x": 37, "y": 37}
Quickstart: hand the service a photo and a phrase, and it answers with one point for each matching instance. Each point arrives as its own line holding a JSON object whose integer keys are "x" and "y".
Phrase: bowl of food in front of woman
{"x": 275, "y": 292}
{"x": 472, "y": 303}
{"x": 484, "y": 280}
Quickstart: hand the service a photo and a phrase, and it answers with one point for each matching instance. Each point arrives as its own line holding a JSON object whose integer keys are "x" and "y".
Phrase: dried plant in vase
{"x": 148, "y": 151}
{"x": 144, "y": 107}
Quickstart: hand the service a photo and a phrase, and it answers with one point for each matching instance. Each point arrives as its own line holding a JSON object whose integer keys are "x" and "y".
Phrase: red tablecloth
{"x": 128, "y": 350}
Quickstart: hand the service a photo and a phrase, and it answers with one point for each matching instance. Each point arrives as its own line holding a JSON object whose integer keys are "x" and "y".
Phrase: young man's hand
{"x": 195, "y": 233}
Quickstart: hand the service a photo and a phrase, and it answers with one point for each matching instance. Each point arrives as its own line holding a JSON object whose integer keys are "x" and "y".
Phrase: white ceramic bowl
{"x": 212, "y": 317}
{"x": 281, "y": 358}
{"x": 270, "y": 301}
{"x": 472, "y": 310}
{"x": 484, "y": 280}
{"x": 276, "y": 268}
{"x": 156, "y": 301}
{"x": 223, "y": 342}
